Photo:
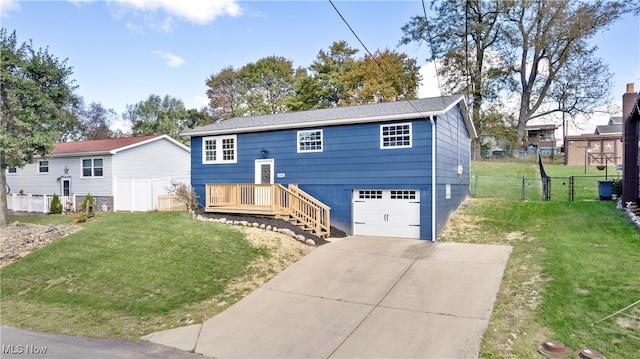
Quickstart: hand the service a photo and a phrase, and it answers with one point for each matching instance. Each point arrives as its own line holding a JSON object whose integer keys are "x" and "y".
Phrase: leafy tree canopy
{"x": 37, "y": 90}
{"x": 159, "y": 115}
{"x": 335, "y": 78}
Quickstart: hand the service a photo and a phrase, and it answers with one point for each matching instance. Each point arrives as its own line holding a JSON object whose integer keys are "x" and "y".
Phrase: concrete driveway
{"x": 360, "y": 297}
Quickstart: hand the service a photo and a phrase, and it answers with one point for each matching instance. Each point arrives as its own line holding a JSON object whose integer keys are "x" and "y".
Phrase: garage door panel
{"x": 394, "y": 213}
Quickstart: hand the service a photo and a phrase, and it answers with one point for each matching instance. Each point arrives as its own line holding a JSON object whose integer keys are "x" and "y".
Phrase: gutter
{"x": 433, "y": 178}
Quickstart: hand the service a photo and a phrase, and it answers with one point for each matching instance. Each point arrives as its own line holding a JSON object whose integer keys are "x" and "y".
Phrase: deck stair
{"x": 291, "y": 204}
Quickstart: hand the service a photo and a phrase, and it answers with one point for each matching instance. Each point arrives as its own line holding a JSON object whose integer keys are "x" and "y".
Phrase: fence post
{"x": 546, "y": 188}
{"x": 571, "y": 188}
{"x": 522, "y": 196}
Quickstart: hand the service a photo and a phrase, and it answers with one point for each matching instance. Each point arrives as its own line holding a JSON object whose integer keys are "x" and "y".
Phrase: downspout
{"x": 433, "y": 178}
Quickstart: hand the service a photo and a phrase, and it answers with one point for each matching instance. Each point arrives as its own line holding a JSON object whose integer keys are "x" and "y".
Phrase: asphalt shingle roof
{"x": 609, "y": 129}
{"x": 99, "y": 146}
{"x": 363, "y": 113}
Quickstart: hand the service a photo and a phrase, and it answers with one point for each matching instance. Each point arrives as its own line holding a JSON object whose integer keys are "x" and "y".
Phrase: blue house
{"x": 397, "y": 169}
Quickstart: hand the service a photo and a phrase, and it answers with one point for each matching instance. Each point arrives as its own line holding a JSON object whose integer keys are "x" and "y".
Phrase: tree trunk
{"x": 475, "y": 149}
{"x": 4, "y": 211}
{"x": 523, "y": 117}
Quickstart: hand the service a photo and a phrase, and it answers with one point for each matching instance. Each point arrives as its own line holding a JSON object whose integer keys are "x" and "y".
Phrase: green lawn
{"x": 44, "y": 219}
{"x": 573, "y": 263}
{"x": 125, "y": 274}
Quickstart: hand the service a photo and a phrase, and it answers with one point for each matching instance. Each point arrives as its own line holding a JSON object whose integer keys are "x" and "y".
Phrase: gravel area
{"x": 19, "y": 239}
{"x": 279, "y": 223}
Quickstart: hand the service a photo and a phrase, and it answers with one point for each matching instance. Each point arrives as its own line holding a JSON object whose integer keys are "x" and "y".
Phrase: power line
{"x": 354, "y": 34}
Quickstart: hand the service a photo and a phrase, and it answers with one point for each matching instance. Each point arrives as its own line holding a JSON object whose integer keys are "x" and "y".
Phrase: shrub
{"x": 185, "y": 194}
{"x": 56, "y": 205}
{"x": 81, "y": 217}
{"x": 88, "y": 199}
{"x": 617, "y": 187}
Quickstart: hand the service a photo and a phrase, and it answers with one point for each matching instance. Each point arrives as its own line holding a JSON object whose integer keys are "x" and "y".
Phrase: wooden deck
{"x": 291, "y": 204}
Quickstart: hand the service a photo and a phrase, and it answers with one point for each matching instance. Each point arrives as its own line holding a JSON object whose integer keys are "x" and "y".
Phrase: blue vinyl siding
{"x": 453, "y": 148}
{"x": 351, "y": 159}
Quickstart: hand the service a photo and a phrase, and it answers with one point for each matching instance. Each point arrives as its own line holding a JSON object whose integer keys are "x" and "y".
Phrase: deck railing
{"x": 271, "y": 199}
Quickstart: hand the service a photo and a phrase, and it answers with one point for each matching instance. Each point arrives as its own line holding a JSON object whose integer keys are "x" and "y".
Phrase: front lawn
{"x": 127, "y": 274}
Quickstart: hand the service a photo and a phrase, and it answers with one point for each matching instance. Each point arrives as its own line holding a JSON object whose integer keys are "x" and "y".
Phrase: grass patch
{"x": 572, "y": 264}
{"x": 44, "y": 219}
{"x": 126, "y": 274}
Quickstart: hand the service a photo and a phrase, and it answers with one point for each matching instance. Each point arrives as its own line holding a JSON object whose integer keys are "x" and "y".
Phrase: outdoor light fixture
{"x": 263, "y": 152}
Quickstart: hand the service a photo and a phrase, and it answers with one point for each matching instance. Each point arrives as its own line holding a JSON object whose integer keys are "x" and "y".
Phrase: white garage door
{"x": 386, "y": 213}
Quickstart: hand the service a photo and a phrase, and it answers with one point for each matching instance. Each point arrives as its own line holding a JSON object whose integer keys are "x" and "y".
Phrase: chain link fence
{"x": 573, "y": 188}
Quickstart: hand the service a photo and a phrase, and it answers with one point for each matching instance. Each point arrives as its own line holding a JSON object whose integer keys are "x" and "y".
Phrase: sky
{"x": 123, "y": 51}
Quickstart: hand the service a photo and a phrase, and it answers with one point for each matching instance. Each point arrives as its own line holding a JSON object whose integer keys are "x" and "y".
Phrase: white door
{"x": 386, "y": 213}
{"x": 263, "y": 175}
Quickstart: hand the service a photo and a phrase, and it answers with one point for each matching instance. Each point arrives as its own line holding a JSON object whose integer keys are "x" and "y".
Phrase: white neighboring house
{"x": 123, "y": 174}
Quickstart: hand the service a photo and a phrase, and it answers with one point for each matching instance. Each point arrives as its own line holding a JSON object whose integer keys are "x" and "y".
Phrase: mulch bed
{"x": 270, "y": 221}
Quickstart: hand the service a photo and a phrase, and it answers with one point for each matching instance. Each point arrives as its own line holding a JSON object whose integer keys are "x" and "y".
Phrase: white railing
{"x": 39, "y": 203}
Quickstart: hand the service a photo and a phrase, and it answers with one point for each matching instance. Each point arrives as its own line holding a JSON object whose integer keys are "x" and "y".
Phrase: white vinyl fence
{"x": 38, "y": 203}
{"x": 141, "y": 194}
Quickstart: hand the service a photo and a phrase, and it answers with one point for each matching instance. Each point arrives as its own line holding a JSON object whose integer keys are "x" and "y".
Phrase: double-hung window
{"x": 43, "y": 167}
{"x": 397, "y": 135}
{"x": 92, "y": 167}
{"x": 219, "y": 149}
{"x": 13, "y": 170}
{"x": 310, "y": 141}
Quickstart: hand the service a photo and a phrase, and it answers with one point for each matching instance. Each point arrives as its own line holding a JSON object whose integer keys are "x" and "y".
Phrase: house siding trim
{"x": 433, "y": 178}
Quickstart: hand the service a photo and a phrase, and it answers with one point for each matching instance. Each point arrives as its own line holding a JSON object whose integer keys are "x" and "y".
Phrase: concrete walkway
{"x": 360, "y": 297}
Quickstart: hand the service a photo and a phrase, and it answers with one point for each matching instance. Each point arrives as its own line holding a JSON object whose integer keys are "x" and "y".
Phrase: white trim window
{"x": 92, "y": 167}
{"x": 397, "y": 135}
{"x": 220, "y": 149}
{"x": 310, "y": 141}
{"x": 43, "y": 167}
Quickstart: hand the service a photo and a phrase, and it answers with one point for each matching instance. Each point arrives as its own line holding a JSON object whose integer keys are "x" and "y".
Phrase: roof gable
{"x": 111, "y": 145}
{"x": 377, "y": 112}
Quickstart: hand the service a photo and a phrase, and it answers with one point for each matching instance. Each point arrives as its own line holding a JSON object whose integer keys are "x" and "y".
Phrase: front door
{"x": 66, "y": 187}
{"x": 263, "y": 175}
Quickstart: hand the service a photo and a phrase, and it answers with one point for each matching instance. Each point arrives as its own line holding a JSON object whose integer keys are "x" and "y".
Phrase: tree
{"x": 71, "y": 123}
{"x": 157, "y": 115}
{"x": 328, "y": 69}
{"x": 387, "y": 76}
{"x": 462, "y": 35}
{"x": 546, "y": 37}
{"x": 266, "y": 85}
{"x": 95, "y": 122}
{"x": 224, "y": 93}
{"x": 36, "y": 88}
{"x": 309, "y": 93}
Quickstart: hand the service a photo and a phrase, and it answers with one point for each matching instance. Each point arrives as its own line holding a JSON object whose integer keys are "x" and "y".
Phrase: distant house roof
{"x": 594, "y": 137}
{"x": 377, "y": 112}
{"x": 608, "y": 129}
{"x": 541, "y": 127}
{"x": 108, "y": 146}
{"x": 615, "y": 120}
